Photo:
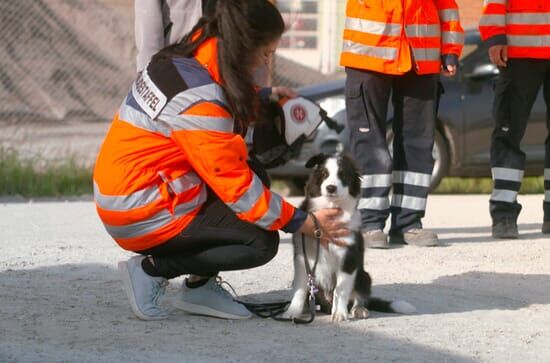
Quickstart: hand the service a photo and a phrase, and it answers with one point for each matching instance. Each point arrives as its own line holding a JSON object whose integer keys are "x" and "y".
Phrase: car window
{"x": 468, "y": 49}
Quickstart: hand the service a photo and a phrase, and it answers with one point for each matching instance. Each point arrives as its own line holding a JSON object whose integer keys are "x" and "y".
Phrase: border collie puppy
{"x": 340, "y": 276}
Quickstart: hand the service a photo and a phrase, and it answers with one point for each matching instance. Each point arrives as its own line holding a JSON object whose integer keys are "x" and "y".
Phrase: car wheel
{"x": 440, "y": 154}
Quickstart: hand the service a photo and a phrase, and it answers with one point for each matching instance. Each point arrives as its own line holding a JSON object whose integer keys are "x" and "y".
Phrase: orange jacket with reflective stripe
{"x": 380, "y": 35}
{"x": 523, "y": 25}
{"x": 172, "y": 137}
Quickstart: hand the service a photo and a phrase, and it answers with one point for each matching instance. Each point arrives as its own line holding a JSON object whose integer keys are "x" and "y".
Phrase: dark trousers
{"x": 216, "y": 240}
{"x": 414, "y": 101}
{"x": 515, "y": 93}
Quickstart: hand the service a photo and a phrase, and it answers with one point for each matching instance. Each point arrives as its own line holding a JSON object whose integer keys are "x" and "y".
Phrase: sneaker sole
{"x": 206, "y": 311}
{"x": 381, "y": 246}
{"x": 401, "y": 241}
{"x": 127, "y": 284}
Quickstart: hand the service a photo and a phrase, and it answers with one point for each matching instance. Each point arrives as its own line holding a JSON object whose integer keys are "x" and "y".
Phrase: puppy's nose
{"x": 332, "y": 188}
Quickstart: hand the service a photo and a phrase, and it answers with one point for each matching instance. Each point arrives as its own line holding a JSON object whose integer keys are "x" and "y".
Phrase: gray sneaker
{"x": 375, "y": 238}
{"x": 210, "y": 299}
{"x": 417, "y": 237}
{"x": 143, "y": 290}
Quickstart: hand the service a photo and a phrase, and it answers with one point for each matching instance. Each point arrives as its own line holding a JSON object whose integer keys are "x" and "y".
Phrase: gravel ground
{"x": 478, "y": 299}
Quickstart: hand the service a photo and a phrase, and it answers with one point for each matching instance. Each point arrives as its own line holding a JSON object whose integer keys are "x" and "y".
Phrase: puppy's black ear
{"x": 316, "y": 160}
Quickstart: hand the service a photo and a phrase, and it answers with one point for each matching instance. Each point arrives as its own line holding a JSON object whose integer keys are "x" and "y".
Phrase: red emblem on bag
{"x": 298, "y": 113}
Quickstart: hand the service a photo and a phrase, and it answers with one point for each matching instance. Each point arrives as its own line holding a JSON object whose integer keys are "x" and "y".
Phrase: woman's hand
{"x": 282, "y": 91}
{"x": 331, "y": 228}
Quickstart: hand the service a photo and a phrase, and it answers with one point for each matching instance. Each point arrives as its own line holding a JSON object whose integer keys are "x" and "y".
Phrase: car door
{"x": 479, "y": 80}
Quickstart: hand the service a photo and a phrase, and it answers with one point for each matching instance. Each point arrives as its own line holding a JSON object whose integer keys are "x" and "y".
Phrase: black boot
{"x": 505, "y": 228}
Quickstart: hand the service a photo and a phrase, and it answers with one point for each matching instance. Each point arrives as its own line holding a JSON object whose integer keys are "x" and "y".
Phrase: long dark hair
{"x": 242, "y": 28}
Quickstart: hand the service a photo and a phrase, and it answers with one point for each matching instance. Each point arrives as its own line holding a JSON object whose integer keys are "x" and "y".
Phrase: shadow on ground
{"x": 80, "y": 311}
{"x": 527, "y": 231}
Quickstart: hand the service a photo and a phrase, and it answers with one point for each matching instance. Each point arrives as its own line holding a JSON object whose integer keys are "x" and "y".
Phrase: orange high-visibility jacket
{"x": 523, "y": 25}
{"x": 379, "y": 35}
{"x": 172, "y": 137}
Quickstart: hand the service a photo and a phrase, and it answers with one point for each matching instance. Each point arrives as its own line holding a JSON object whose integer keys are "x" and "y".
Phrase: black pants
{"x": 216, "y": 240}
{"x": 409, "y": 173}
{"x": 515, "y": 93}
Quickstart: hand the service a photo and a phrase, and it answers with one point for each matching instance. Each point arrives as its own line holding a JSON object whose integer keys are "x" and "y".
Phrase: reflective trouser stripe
{"x": 412, "y": 178}
{"x": 408, "y": 202}
{"x": 374, "y": 203}
{"x": 515, "y": 175}
{"x": 376, "y": 181}
{"x": 503, "y": 195}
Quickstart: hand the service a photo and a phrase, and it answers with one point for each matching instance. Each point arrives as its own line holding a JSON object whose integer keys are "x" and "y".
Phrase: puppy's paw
{"x": 291, "y": 314}
{"x": 359, "y": 312}
{"x": 339, "y": 316}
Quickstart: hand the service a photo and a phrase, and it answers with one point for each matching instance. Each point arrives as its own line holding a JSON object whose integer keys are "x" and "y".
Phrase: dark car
{"x": 464, "y": 124}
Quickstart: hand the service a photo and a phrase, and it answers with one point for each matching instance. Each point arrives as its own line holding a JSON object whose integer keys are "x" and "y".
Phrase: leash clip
{"x": 311, "y": 285}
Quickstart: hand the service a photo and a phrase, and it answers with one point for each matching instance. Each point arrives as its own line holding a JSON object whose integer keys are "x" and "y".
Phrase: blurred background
{"x": 65, "y": 66}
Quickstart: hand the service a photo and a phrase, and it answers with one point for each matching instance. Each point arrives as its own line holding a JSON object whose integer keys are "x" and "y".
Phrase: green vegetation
{"x": 37, "y": 178}
{"x": 452, "y": 185}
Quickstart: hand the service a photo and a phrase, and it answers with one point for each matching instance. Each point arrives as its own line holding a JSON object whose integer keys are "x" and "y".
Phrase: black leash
{"x": 274, "y": 309}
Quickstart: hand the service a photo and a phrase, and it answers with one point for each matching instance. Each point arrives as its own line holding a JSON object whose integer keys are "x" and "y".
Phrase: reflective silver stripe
{"x": 273, "y": 213}
{"x": 139, "y": 119}
{"x": 452, "y": 38}
{"x": 375, "y": 203}
{"x": 377, "y": 52}
{"x": 546, "y": 174}
{"x": 547, "y": 195}
{"x": 426, "y": 54}
{"x": 493, "y": 19}
{"x": 529, "y": 40}
{"x": 412, "y": 178}
{"x": 183, "y": 100}
{"x": 528, "y": 18}
{"x": 503, "y": 195}
{"x": 376, "y": 181}
{"x": 185, "y": 182}
{"x": 157, "y": 221}
{"x": 126, "y": 202}
{"x": 449, "y": 15}
{"x": 408, "y": 202}
{"x": 192, "y": 122}
{"x": 487, "y": 2}
{"x": 423, "y": 30}
{"x": 515, "y": 175}
{"x": 250, "y": 197}
{"x": 372, "y": 27}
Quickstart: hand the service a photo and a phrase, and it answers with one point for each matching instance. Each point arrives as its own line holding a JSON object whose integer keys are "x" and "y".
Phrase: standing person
{"x": 518, "y": 32}
{"x": 159, "y": 23}
{"x": 397, "y": 48}
{"x": 172, "y": 182}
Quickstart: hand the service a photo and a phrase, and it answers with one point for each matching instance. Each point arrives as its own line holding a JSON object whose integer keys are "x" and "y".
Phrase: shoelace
{"x": 158, "y": 290}
{"x": 219, "y": 285}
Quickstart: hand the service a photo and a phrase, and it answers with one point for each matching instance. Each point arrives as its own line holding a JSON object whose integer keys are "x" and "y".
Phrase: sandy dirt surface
{"x": 478, "y": 299}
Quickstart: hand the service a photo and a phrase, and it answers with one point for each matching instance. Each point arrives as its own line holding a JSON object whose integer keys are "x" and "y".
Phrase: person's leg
{"x": 515, "y": 93}
{"x": 216, "y": 240}
{"x": 414, "y": 101}
{"x": 367, "y": 96}
{"x": 546, "y": 203}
